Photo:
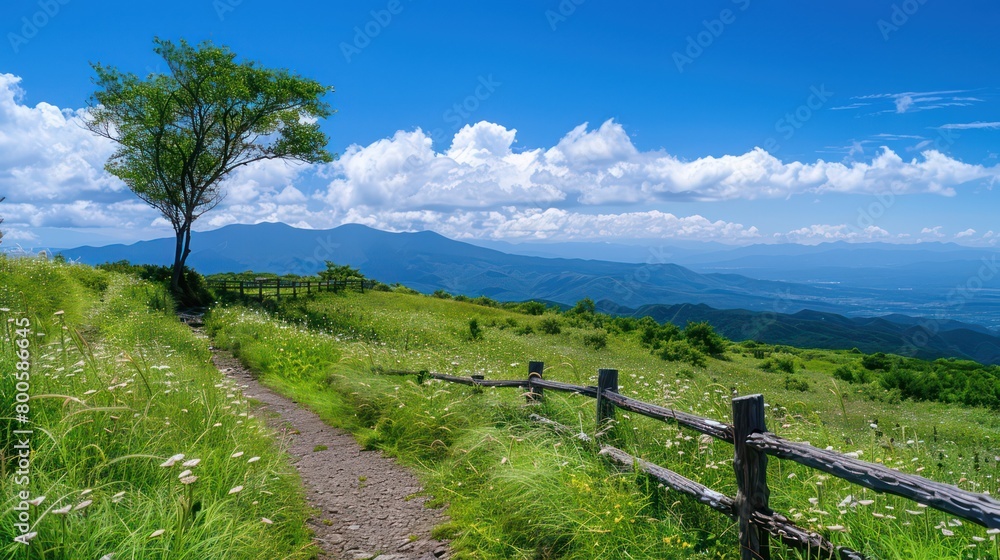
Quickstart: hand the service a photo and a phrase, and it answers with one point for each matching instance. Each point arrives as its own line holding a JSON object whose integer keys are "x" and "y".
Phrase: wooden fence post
{"x": 751, "y": 476}
{"x": 241, "y": 288}
{"x": 260, "y": 288}
{"x": 277, "y": 290}
{"x": 535, "y": 370}
{"x": 607, "y": 380}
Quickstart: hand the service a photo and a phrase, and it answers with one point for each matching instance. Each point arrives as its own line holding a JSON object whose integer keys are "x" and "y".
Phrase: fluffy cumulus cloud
{"x": 558, "y": 224}
{"x": 594, "y": 167}
{"x": 824, "y": 233}
{"x": 46, "y": 154}
{"x": 482, "y": 185}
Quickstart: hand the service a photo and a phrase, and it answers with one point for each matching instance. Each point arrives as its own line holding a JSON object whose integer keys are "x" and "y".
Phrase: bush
{"x": 401, "y": 289}
{"x": 475, "y": 331}
{"x": 336, "y": 271}
{"x": 879, "y": 361}
{"x": 195, "y": 290}
{"x": 793, "y": 383}
{"x": 550, "y": 325}
{"x": 441, "y": 294}
{"x": 486, "y": 302}
{"x": 779, "y": 363}
{"x": 531, "y": 308}
{"x": 525, "y": 330}
{"x": 845, "y": 373}
{"x": 681, "y": 351}
{"x": 654, "y": 335}
{"x": 585, "y": 306}
{"x": 703, "y": 337}
{"x": 596, "y": 340}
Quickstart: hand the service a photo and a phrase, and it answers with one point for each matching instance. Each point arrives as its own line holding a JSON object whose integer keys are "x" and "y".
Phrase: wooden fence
{"x": 270, "y": 287}
{"x": 753, "y": 444}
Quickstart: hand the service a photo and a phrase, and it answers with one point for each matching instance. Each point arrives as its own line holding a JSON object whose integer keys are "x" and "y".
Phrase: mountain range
{"x": 806, "y": 293}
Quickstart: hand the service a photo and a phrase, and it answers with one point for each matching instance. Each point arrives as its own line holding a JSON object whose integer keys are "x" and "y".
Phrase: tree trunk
{"x": 178, "y": 271}
{"x": 178, "y": 283}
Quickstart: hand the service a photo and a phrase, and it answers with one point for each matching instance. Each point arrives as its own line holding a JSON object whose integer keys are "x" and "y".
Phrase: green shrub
{"x": 441, "y": 294}
{"x": 596, "y": 340}
{"x": 779, "y": 363}
{"x": 475, "y": 331}
{"x": 794, "y": 383}
{"x": 549, "y": 325}
{"x": 878, "y": 361}
{"x": 336, "y": 271}
{"x": 531, "y": 308}
{"x": 680, "y": 350}
{"x": 653, "y": 334}
{"x": 401, "y": 289}
{"x": 703, "y": 337}
{"x": 844, "y": 372}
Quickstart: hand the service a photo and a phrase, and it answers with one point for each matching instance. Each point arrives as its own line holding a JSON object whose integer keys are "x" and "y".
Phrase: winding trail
{"x": 368, "y": 505}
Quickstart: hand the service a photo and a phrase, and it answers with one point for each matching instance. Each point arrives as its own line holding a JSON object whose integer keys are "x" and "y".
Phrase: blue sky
{"x": 735, "y": 121}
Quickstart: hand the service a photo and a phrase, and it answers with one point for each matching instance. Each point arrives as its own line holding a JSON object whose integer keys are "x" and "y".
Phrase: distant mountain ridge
{"x": 897, "y": 334}
{"x": 427, "y": 262}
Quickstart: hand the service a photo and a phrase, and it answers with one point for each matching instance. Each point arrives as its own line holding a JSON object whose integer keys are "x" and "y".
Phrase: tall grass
{"x": 517, "y": 491}
{"x": 119, "y": 387}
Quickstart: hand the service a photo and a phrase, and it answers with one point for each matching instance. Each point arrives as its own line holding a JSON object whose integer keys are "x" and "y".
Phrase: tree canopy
{"x": 181, "y": 133}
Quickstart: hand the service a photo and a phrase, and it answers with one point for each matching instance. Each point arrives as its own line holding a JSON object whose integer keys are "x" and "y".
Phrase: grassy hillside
{"x": 116, "y": 387}
{"x": 515, "y": 490}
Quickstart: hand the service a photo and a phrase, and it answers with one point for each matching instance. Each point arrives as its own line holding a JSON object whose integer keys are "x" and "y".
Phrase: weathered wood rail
{"x": 752, "y": 445}
{"x": 270, "y": 287}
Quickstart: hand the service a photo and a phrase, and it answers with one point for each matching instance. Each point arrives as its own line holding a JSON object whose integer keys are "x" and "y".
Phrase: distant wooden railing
{"x": 271, "y": 287}
{"x": 753, "y": 444}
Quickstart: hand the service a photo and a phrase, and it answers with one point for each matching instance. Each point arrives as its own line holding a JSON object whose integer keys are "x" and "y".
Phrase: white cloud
{"x": 18, "y": 235}
{"x": 967, "y": 233}
{"x": 602, "y": 166}
{"x": 822, "y": 233}
{"x": 971, "y": 126}
{"x": 933, "y": 232}
{"x": 482, "y": 185}
{"x": 903, "y": 103}
{"x": 557, "y": 224}
{"x": 913, "y": 101}
{"x": 46, "y": 154}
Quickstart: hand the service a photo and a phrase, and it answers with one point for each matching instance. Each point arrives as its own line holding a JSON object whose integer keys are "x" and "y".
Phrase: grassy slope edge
{"x": 517, "y": 491}
{"x": 118, "y": 386}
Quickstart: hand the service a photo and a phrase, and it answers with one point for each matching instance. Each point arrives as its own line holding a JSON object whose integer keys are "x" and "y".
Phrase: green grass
{"x": 118, "y": 386}
{"x": 516, "y": 491}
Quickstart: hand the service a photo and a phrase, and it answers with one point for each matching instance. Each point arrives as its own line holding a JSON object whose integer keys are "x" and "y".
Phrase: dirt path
{"x": 367, "y": 504}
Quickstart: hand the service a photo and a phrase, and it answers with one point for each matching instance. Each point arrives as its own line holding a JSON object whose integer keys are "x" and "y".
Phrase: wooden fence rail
{"x": 752, "y": 445}
{"x": 268, "y": 287}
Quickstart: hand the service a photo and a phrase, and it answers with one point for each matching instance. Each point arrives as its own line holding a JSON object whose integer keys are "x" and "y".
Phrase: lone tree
{"x": 181, "y": 133}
